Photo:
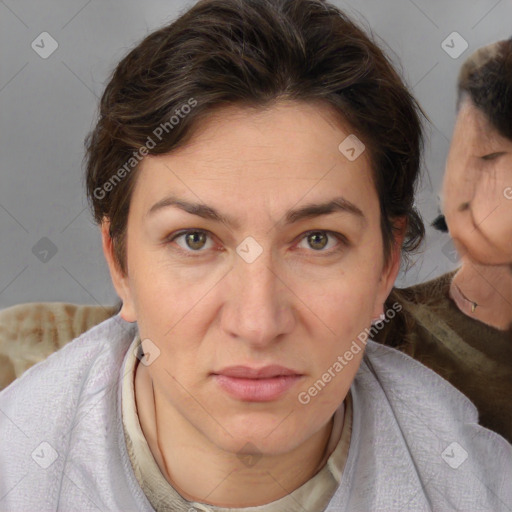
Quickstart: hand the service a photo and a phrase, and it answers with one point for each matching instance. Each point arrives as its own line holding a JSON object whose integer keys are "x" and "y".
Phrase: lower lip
{"x": 257, "y": 390}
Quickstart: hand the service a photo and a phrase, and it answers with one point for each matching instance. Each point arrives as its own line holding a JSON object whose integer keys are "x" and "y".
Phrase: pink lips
{"x": 257, "y": 385}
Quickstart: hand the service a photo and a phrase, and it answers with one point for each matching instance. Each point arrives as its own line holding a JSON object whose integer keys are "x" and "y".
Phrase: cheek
{"x": 493, "y": 215}
{"x": 167, "y": 292}
{"x": 346, "y": 307}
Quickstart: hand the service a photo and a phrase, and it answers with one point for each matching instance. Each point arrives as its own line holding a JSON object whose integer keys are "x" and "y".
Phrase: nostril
{"x": 464, "y": 206}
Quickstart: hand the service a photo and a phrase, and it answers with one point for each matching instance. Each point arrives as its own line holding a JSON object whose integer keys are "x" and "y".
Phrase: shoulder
{"x": 411, "y": 382}
{"x": 92, "y": 353}
{"x": 415, "y": 420}
{"x": 429, "y": 292}
{"x": 30, "y": 332}
{"x": 107, "y": 338}
{"x": 39, "y": 412}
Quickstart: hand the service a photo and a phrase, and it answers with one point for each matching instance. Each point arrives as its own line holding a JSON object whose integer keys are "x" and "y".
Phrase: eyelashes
{"x": 492, "y": 156}
{"x": 342, "y": 239}
{"x": 184, "y": 233}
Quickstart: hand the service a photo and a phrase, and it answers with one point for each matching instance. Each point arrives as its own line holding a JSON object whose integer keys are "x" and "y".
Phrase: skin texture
{"x": 477, "y": 203}
{"x": 294, "y": 305}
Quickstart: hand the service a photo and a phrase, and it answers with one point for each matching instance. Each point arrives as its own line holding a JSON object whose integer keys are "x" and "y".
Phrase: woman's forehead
{"x": 316, "y": 124}
{"x": 290, "y": 147}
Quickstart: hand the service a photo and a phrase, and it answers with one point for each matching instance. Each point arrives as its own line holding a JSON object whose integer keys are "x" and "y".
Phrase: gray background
{"x": 47, "y": 106}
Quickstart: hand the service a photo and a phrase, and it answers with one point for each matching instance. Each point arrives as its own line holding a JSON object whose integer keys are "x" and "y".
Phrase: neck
{"x": 484, "y": 292}
{"x": 201, "y": 471}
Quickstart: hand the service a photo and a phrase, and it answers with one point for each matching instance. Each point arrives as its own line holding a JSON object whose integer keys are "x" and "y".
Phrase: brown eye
{"x": 318, "y": 240}
{"x": 325, "y": 243}
{"x": 191, "y": 240}
{"x": 195, "y": 240}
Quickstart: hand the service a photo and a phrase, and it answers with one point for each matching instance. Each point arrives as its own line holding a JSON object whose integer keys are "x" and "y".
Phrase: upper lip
{"x": 265, "y": 372}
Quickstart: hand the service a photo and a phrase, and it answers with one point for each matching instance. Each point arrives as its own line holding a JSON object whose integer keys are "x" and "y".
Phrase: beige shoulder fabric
{"x": 30, "y": 332}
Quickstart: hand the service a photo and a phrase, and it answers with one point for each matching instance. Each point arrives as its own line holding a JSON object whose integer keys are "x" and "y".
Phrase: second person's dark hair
{"x": 486, "y": 78}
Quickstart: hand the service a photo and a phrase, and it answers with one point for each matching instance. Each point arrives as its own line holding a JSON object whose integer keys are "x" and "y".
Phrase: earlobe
{"x": 120, "y": 280}
{"x": 390, "y": 272}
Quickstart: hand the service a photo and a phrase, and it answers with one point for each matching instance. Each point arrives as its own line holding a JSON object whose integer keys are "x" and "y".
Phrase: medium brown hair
{"x": 253, "y": 53}
{"x": 486, "y": 78}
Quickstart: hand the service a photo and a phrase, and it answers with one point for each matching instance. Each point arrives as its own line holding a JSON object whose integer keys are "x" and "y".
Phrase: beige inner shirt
{"x": 312, "y": 496}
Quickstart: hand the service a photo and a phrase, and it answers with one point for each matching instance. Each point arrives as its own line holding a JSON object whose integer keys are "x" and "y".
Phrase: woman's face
{"x": 282, "y": 265}
{"x": 477, "y": 189}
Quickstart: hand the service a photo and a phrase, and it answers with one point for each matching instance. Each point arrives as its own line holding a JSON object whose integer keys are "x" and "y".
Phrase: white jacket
{"x": 415, "y": 446}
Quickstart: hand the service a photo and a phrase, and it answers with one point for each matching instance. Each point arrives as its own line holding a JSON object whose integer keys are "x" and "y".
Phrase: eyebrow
{"x": 311, "y": 210}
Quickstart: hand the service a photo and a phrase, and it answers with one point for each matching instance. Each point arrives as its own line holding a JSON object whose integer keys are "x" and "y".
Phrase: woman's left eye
{"x": 192, "y": 240}
{"x": 319, "y": 240}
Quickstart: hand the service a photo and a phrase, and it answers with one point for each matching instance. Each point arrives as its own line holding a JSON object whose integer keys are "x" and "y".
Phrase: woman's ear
{"x": 391, "y": 270}
{"x": 120, "y": 280}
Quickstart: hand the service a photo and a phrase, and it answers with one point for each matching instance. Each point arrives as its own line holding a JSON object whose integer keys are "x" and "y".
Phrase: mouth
{"x": 257, "y": 385}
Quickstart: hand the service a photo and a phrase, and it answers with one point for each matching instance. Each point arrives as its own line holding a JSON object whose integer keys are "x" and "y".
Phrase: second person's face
{"x": 477, "y": 189}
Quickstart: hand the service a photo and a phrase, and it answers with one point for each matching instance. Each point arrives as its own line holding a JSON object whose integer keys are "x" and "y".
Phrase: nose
{"x": 259, "y": 308}
{"x": 459, "y": 187}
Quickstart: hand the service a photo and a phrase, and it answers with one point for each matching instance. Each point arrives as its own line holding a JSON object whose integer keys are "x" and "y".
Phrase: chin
{"x": 259, "y": 437}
